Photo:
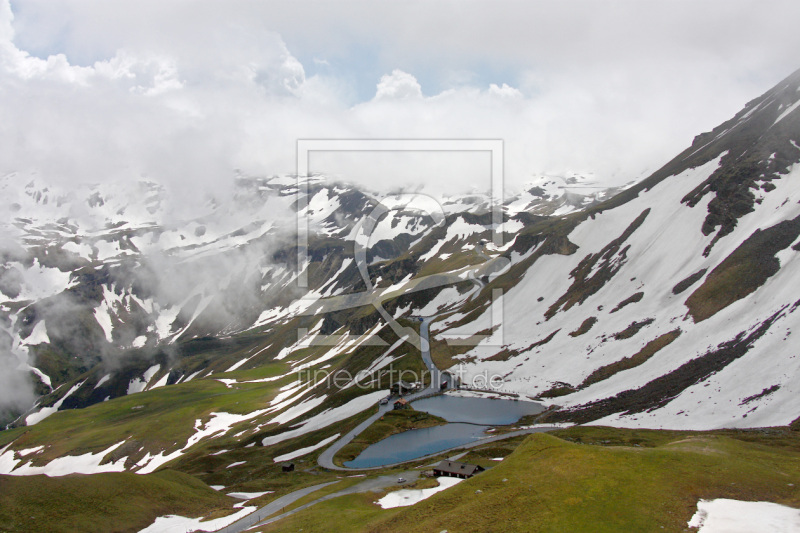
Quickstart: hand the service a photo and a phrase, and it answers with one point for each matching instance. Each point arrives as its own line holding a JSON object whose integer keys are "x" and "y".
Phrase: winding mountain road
{"x": 325, "y": 459}
{"x": 271, "y": 508}
{"x": 266, "y": 515}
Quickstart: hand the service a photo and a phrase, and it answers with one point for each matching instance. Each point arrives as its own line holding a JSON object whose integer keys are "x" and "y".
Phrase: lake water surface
{"x": 416, "y": 443}
{"x": 469, "y": 417}
{"x": 485, "y": 411}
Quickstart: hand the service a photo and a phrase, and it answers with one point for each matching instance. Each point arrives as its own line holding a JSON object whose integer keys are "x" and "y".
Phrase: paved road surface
{"x": 262, "y": 516}
{"x": 271, "y": 508}
{"x": 325, "y": 459}
{"x": 374, "y": 485}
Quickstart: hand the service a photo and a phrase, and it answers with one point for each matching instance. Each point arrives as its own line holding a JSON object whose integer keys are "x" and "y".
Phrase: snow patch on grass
{"x": 327, "y": 417}
{"x": 406, "y": 497}
{"x": 102, "y": 380}
{"x": 249, "y": 495}
{"x": 308, "y": 449}
{"x": 298, "y": 410}
{"x": 180, "y": 524}
{"x": 44, "y": 412}
{"x": 734, "y": 516}
{"x": 161, "y": 382}
{"x": 87, "y": 463}
{"x": 38, "y": 335}
{"x": 219, "y": 424}
{"x": 139, "y": 384}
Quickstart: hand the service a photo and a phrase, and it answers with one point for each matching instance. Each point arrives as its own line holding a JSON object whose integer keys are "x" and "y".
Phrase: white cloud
{"x": 398, "y": 85}
{"x": 6, "y": 18}
{"x": 145, "y": 113}
{"x": 505, "y": 91}
{"x": 184, "y": 94}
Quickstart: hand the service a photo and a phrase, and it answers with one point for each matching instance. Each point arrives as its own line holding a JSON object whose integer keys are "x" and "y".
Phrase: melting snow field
{"x": 406, "y": 497}
{"x": 734, "y": 516}
{"x": 327, "y": 417}
{"x": 218, "y": 425}
{"x": 44, "y": 412}
{"x": 180, "y": 524}
{"x": 303, "y": 451}
{"x": 87, "y": 463}
{"x": 249, "y": 495}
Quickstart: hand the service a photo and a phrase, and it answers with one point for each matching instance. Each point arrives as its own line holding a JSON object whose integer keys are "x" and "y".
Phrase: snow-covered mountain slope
{"x": 666, "y": 303}
{"x": 560, "y": 195}
{"x": 673, "y": 304}
{"x": 100, "y": 284}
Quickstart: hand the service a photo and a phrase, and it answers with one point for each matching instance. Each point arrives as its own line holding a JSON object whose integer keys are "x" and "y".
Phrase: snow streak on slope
{"x": 662, "y": 250}
{"x": 43, "y": 413}
{"x": 328, "y": 417}
{"x": 81, "y": 464}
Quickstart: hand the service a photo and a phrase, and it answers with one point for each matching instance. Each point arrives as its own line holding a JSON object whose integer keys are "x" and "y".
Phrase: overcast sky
{"x": 185, "y": 91}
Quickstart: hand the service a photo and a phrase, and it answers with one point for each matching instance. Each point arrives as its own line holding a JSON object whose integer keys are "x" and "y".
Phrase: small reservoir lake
{"x": 469, "y": 419}
{"x": 485, "y": 411}
{"x": 416, "y": 443}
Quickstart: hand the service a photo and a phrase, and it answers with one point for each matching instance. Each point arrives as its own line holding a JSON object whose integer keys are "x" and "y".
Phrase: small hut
{"x": 402, "y": 387}
{"x": 455, "y": 469}
{"x": 402, "y": 403}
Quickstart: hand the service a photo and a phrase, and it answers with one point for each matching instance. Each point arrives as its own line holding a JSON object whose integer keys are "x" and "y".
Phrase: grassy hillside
{"x": 588, "y": 479}
{"x": 103, "y": 502}
{"x": 161, "y": 419}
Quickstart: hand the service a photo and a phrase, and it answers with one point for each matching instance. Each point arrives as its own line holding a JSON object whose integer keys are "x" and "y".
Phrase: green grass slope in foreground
{"x": 103, "y": 502}
{"x": 617, "y": 480}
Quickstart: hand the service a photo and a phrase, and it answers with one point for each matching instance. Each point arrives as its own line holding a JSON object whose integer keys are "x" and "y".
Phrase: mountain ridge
{"x": 665, "y": 305}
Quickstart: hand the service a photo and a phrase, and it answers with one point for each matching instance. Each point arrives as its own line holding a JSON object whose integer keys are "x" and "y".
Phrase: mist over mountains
{"x": 197, "y": 326}
{"x": 98, "y": 287}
